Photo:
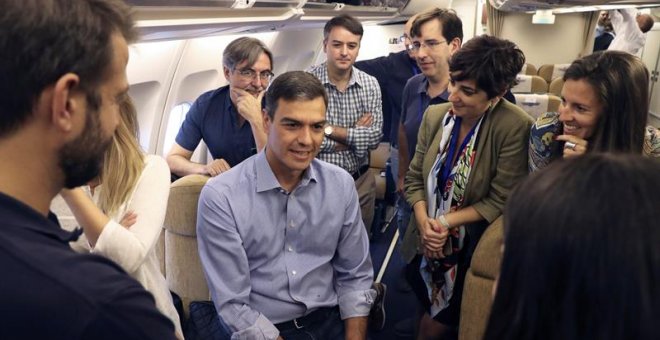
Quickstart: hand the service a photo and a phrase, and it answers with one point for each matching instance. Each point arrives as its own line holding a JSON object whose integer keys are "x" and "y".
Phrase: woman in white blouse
{"x": 131, "y": 198}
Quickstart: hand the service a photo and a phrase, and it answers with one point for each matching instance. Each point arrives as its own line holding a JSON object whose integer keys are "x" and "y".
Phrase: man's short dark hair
{"x": 294, "y": 86}
{"x": 242, "y": 49}
{"x": 346, "y": 21}
{"x": 41, "y": 40}
{"x": 450, "y": 24}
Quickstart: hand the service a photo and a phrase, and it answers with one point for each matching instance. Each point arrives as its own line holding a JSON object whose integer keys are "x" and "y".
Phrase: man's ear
{"x": 325, "y": 45}
{"x": 266, "y": 120}
{"x": 454, "y": 45}
{"x": 226, "y": 71}
{"x": 66, "y": 101}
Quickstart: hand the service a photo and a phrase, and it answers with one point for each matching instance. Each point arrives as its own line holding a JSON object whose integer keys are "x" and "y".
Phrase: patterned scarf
{"x": 439, "y": 275}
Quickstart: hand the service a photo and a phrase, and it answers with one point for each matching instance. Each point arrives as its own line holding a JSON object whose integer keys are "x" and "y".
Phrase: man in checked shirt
{"x": 355, "y": 113}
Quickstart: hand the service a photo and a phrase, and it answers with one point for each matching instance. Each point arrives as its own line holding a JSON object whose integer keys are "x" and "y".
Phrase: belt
{"x": 361, "y": 171}
{"x": 304, "y": 321}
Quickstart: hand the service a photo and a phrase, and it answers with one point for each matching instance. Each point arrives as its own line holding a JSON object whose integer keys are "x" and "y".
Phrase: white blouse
{"x": 133, "y": 248}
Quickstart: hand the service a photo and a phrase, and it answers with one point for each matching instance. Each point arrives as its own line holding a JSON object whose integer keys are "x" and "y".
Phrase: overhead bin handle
{"x": 242, "y": 4}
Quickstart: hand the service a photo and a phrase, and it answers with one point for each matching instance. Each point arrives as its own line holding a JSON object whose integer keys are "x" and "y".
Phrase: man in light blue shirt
{"x": 280, "y": 235}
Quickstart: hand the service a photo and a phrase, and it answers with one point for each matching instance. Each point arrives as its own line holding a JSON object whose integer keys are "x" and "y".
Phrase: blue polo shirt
{"x": 213, "y": 118}
{"x": 392, "y": 72}
{"x": 48, "y": 291}
{"x": 414, "y": 102}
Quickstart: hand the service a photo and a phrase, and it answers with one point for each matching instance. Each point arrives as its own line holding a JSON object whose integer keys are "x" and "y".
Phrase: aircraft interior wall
{"x": 559, "y": 43}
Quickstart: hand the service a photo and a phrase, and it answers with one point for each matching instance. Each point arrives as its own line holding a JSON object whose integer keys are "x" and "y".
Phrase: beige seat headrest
{"x": 181, "y": 213}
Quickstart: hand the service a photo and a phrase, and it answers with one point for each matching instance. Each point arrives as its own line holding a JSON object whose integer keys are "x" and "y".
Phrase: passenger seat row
{"x": 539, "y": 91}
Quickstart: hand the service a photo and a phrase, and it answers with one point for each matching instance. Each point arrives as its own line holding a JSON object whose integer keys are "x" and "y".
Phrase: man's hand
{"x": 217, "y": 167}
{"x": 247, "y": 105}
{"x": 129, "y": 218}
{"x": 367, "y": 119}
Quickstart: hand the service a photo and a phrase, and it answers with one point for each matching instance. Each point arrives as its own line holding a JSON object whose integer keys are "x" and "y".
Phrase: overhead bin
{"x": 578, "y": 5}
{"x": 181, "y": 19}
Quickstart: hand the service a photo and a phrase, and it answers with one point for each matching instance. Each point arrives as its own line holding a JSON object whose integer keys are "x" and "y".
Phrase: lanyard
{"x": 445, "y": 174}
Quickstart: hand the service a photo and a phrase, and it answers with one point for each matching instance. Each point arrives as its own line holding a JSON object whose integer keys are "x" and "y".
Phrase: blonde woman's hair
{"x": 123, "y": 161}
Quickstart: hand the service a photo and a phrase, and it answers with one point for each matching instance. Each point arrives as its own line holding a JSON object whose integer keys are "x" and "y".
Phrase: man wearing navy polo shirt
{"x": 229, "y": 118}
{"x": 59, "y": 113}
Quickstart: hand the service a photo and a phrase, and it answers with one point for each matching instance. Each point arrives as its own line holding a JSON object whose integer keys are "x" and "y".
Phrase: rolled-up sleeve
{"x": 352, "y": 262}
{"x": 226, "y": 268}
{"x": 365, "y": 138}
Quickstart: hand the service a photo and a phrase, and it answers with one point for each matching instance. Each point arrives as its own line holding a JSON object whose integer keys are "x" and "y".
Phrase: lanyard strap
{"x": 445, "y": 173}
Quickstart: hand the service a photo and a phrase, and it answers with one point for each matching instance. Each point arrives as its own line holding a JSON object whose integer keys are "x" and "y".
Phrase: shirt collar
{"x": 21, "y": 215}
{"x": 355, "y": 77}
{"x": 266, "y": 179}
{"x": 421, "y": 89}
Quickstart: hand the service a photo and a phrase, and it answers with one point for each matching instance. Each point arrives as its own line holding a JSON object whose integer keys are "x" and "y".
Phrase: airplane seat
{"x": 160, "y": 250}
{"x": 479, "y": 280}
{"x": 552, "y": 71}
{"x": 528, "y": 69}
{"x": 377, "y": 166}
{"x": 183, "y": 267}
{"x": 530, "y": 84}
{"x": 537, "y": 104}
{"x": 555, "y": 87}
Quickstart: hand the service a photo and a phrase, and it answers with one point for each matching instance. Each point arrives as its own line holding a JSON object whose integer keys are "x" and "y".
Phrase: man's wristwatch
{"x": 328, "y": 130}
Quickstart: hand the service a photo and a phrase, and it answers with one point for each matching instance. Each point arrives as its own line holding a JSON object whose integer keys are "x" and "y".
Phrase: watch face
{"x": 328, "y": 130}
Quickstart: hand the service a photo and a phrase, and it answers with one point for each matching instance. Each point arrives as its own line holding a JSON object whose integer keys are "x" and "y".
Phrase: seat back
{"x": 555, "y": 87}
{"x": 530, "y": 84}
{"x": 537, "y": 104}
{"x": 377, "y": 165}
{"x": 552, "y": 71}
{"x": 479, "y": 280}
{"x": 183, "y": 268}
{"x": 529, "y": 69}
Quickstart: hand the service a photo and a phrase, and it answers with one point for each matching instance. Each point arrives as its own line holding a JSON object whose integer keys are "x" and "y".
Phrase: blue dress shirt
{"x": 213, "y": 118}
{"x": 271, "y": 256}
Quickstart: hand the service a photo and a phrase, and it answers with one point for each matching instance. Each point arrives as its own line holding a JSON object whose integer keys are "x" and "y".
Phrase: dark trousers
{"x": 328, "y": 328}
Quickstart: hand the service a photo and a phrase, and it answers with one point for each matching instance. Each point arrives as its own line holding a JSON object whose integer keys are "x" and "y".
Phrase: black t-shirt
{"x": 48, "y": 291}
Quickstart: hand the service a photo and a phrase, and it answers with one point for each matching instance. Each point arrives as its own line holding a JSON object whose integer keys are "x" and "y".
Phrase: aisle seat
{"x": 479, "y": 280}
{"x": 183, "y": 268}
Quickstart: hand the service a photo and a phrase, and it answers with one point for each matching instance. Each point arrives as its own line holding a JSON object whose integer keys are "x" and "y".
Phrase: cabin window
{"x": 176, "y": 118}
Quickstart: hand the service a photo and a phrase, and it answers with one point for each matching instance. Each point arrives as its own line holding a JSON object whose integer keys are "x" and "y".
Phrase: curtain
{"x": 589, "y": 32}
{"x": 495, "y": 20}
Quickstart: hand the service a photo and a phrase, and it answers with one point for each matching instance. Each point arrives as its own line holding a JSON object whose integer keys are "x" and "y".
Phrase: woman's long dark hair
{"x": 621, "y": 82}
{"x": 582, "y": 252}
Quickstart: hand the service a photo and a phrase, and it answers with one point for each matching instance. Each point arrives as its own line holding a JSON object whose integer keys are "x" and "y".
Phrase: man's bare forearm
{"x": 356, "y": 328}
{"x": 181, "y": 166}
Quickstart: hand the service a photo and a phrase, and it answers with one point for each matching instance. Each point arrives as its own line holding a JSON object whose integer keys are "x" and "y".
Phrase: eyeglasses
{"x": 252, "y": 74}
{"x": 430, "y": 44}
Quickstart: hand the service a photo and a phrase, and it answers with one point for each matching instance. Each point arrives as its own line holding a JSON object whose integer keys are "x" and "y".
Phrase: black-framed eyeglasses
{"x": 430, "y": 44}
{"x": 252, "y": 74}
